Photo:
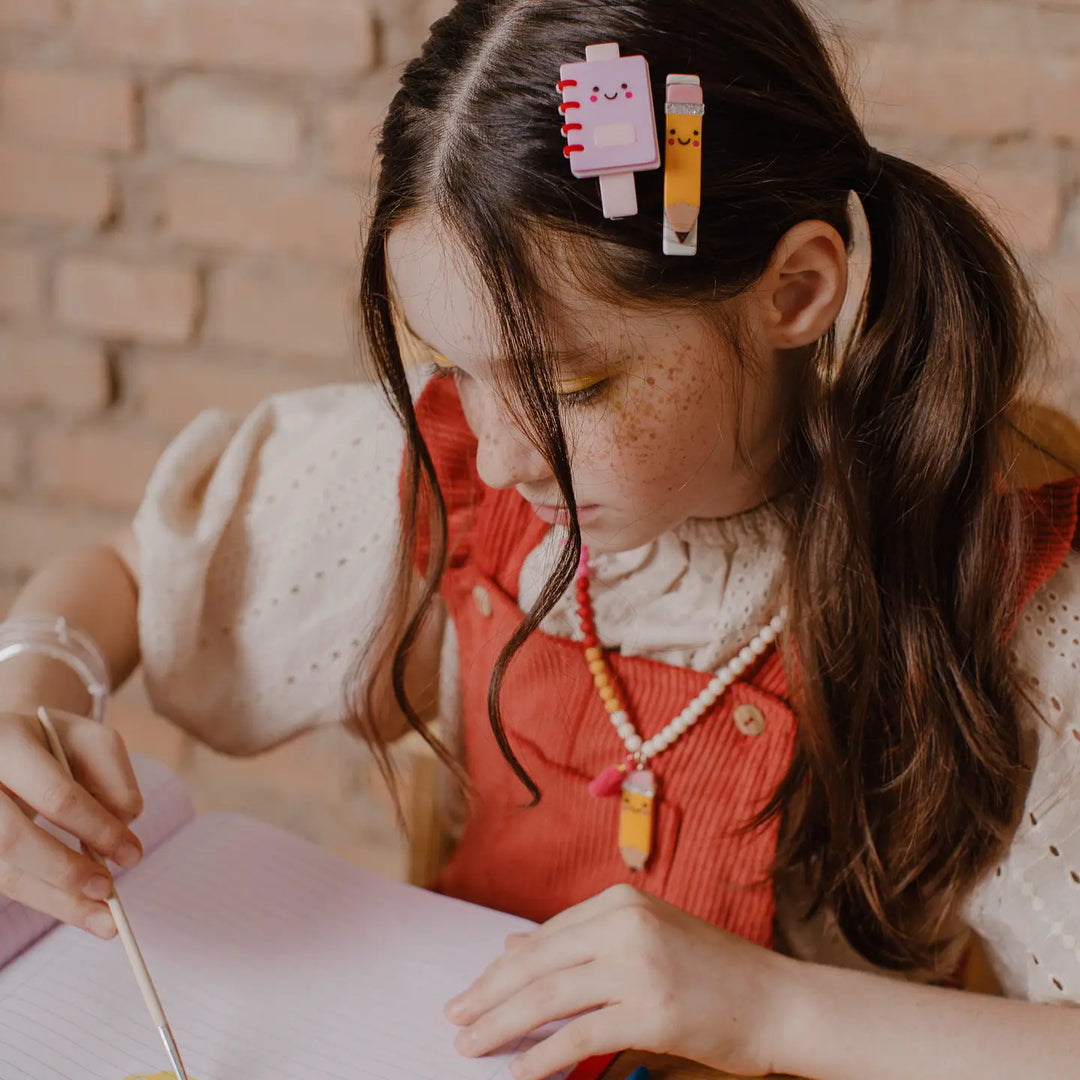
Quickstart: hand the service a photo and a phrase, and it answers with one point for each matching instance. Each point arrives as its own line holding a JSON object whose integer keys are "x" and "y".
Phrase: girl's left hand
{"x": 635, "y": 973}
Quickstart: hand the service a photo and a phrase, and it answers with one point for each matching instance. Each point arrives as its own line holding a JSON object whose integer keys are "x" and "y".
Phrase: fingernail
{"x": 101, "y": 923}
{"x": 128, "y": 856}
{"x": 97, "y": 888}
{"x": 465, "y": 1041}
{"x": 454, "y": 1008}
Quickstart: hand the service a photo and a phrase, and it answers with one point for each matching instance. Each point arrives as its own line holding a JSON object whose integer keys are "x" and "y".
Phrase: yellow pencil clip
{"x": 684, "y": 111}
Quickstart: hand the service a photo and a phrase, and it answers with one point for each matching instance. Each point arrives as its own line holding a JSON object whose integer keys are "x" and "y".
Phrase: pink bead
{"x": 608, "y": 782}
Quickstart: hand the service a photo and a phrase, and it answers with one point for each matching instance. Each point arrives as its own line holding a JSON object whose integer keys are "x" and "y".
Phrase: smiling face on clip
{"x": 648, "y": 396}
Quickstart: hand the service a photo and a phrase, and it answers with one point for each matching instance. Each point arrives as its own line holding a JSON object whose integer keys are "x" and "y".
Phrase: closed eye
{"x": 581, "y": 391}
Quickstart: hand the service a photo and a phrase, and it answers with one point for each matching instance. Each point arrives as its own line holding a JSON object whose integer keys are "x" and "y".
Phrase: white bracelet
{"x": 56, "y": 639}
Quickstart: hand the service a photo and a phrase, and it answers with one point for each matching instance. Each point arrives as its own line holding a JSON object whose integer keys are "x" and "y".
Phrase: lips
{"x": 559, "y": 515}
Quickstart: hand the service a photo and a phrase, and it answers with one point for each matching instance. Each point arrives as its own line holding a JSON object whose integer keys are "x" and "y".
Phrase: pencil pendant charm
{"x": 636, "y": 817}
{"x": 684, "y": 111}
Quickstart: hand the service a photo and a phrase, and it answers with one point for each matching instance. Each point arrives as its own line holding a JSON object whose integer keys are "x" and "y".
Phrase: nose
{"x": 505, "y": 457}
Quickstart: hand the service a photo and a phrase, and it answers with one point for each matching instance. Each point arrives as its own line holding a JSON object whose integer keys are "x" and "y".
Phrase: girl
{"x": 665, "y": 531}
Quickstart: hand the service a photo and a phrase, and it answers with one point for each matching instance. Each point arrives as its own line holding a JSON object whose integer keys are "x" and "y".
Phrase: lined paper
{"x": 167, "y": 807}
{"x": 274, "y": 959}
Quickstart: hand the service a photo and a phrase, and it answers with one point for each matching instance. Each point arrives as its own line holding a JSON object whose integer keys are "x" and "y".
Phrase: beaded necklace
{"x": 637, "y": 783}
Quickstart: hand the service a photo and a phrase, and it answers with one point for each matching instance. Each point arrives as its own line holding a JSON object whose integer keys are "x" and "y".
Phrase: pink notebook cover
{"x": 612, "y": 101}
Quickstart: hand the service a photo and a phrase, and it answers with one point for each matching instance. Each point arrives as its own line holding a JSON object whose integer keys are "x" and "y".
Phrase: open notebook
{"x": 274, "y": 959}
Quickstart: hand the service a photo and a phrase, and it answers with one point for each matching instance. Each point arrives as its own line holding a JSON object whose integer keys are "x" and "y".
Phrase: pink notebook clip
{"x": 609, "y": 123}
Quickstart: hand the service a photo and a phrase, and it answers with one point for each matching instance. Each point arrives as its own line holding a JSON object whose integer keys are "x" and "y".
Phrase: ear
{"x": 803, "y": 286}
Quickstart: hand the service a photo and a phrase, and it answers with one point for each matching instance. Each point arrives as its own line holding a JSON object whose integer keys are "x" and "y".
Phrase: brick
{"x": 1027, "y": 206}
{"x": 947, "y": 92}
{"x": 83, "y": 110}
{"x": 351, "y": 128}
{"x": 171, "y": 390}
{"x": 208, "y": 118}
{"x": 31, "y": 14}
{"x": 145, "y": 301}
{"x": 289, "y": 309}
{"x": 22, "y": 281}
{"x": 103, "y": 466}
{"x": 35, "y": 534}
{"x": 317, "y": 37}
{"x": 46, "y": 370}
{"x": 1057, "y": 100}
{"x": 10, "y": 457}
{"x": 51, "y": 186}
{"x": 257, "y": 212}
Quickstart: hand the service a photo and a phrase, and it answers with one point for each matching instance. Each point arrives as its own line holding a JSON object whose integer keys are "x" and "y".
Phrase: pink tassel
{"x": 609, "y": 782}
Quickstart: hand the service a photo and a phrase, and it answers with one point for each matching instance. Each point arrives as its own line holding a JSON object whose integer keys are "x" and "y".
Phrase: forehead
{"x": 442, "y": 297}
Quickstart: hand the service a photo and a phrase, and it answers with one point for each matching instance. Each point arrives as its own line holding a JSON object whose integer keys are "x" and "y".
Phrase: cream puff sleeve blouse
{"x": 266, "y": 547}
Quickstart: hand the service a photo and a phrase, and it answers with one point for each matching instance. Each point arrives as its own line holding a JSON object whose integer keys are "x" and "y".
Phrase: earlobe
{"x": 803, "y": 286}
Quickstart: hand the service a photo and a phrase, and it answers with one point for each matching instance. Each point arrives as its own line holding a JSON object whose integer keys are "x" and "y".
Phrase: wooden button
{"x": 749, "y": 719}
{"x": 483, "y": 601}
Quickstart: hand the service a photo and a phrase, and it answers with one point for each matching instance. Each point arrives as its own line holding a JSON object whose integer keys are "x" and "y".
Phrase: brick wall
{"x": 181, "y": 186}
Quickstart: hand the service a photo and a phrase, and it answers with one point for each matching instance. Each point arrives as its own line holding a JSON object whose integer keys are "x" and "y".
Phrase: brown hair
{"x": 908, "y": 768}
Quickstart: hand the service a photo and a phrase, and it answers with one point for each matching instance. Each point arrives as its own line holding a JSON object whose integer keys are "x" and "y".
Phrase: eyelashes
{"x": 570, "y": 391}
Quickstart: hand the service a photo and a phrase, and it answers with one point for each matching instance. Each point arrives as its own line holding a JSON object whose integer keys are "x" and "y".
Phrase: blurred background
{"x": 181, "y": 189}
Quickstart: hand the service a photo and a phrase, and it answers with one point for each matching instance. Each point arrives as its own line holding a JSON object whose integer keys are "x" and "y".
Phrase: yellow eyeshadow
{"x": 574, "y": 386}
{"x": 441, "y": 361}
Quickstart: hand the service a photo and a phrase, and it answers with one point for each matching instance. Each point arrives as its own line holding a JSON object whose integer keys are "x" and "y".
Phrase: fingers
{"x": 611, "y": 899}
{"x": 65, "y": 906}
{"x": 100, "y": 762}
{"x": 32, "y": 774}
{"x": 604, "y": 1031}
{"x": 31, "y": 854}
{"x": 552, "y": 997}
{"x": 530, "y": 959}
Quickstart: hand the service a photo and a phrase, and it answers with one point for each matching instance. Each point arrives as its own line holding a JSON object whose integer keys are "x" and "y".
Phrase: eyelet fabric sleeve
{"x": 1027, "y": 908}
{"x": 265, "y": 549}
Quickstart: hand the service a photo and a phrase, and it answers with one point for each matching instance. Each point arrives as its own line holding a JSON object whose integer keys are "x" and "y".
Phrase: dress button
{"x": 483, "y": 601}
{"x": 749, "y": 719}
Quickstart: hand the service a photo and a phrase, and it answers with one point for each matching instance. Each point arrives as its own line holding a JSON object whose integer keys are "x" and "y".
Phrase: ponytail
{"x": 909, "y": 772}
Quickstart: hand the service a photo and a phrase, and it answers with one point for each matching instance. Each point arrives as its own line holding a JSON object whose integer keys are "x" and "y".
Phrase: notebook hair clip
{"x": 684, "y": 111}
{"x": 609, "y": 123}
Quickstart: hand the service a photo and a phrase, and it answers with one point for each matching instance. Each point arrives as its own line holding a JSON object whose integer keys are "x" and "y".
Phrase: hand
{"x": 35, "y": 868}
{"x": 635, "y": 973}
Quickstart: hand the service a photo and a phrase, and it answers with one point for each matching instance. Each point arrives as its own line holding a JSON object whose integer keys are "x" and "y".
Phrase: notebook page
{"x": 274, "y": 960}
{"x": 166, "y": 807}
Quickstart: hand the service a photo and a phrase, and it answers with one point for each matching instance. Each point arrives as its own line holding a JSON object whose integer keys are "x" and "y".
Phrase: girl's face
{"x": 650, "y": 401}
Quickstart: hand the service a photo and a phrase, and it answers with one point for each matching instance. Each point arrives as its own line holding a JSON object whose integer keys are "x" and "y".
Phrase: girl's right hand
{"x": 38, "y": 870}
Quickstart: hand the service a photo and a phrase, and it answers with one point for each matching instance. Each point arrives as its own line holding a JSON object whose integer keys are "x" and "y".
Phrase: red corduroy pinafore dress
{"x": 535, "y": 861}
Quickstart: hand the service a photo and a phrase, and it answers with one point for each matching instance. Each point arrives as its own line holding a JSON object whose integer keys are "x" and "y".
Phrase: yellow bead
{"x": 598, "y": 667}
{"x": 594, "y": 653}
{"x": 613, "y": 704}
{"x": 607, "y": 692}
{"x": 602, "y": 679}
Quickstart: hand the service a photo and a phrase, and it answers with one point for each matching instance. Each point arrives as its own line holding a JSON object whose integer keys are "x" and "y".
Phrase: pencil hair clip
{"x": 684, "y": 111}
{"x": 609, "y": 123}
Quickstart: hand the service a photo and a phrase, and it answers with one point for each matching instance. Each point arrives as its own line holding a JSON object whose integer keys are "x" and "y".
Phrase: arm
{"x": 96, "y": 590}
{"x": 847, "y": 1025}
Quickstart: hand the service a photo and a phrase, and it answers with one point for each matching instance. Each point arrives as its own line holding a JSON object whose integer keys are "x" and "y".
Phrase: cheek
{"x": 629, "y": 93}
{"x": 592, "y": 97}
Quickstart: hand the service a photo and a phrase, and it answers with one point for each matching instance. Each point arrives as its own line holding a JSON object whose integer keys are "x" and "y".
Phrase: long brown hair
{"x": 908, "y": 767}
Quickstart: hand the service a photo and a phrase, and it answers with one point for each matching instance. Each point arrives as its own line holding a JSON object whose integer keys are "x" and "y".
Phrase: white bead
{"x": 688, "y": 716}
{"x": 624, "y": 731}
{"x": 664, "y": 739}
{"x": 725, "y": 677}
{"x": 681, "y": 723}
{"x": 768, "y": 634}
{"x": 746, "y": 655}
{"x": 736, "y": 667}
{"x": 698, "y": 707}
{"x": 619, "y": 717}
{"x": 633, "y": 743}
{"x": 757, "y": 646}
{"x": 777, "y": 622}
